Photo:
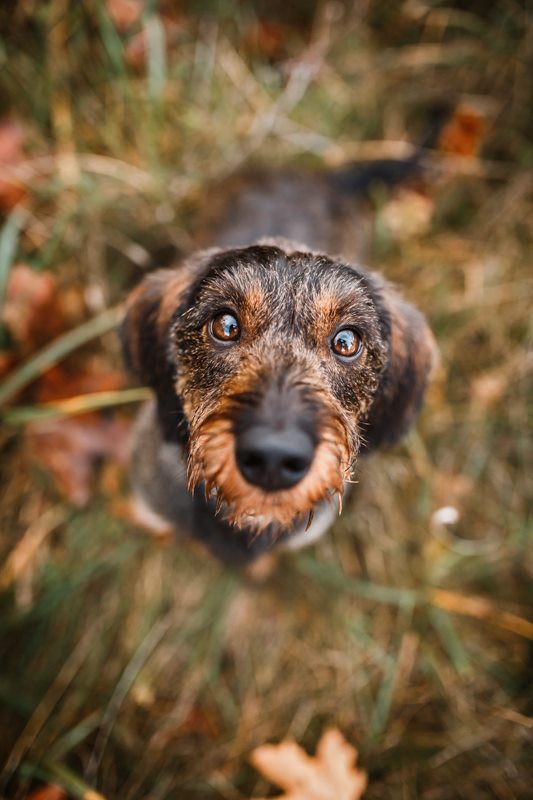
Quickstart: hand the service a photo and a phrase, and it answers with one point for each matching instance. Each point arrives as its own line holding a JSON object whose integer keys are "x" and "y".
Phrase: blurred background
{"x": 134, "y": 667}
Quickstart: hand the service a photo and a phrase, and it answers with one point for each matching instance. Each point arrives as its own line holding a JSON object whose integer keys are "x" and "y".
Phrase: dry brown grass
{"x": 146, "y": 671}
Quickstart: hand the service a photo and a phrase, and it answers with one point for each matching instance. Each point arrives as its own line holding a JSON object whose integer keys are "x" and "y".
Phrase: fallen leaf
{"x": 201, "y": 722}
{"x": 329, "y": 775}
{"x": 267, "y": 39}
{"x": 50, "y": 792}
{"x": 463, "y": 134}
{"x": 31, "y": 311}
{"x": 124, "y": 13}
{"x": 6, "y": 362}
{"x": 70, "y": 450}
{"x": 11, "y": 140}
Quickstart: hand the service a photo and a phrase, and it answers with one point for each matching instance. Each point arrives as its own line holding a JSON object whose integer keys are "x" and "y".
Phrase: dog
{"x": 274, "y": 365}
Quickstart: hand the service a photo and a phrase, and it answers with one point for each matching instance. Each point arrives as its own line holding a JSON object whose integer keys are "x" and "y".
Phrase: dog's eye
{"x": 225, "y": 327}
{"x": 347, "y": 344}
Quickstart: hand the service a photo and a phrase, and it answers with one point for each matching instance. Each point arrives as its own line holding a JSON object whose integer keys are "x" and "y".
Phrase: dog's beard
{"x": 211, "y": 460}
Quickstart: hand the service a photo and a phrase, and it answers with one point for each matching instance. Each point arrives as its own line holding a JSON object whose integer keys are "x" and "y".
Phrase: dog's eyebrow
{"x": 232, "y": 261}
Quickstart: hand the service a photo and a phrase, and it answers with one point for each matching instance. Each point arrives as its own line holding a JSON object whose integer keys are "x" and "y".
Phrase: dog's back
{"x": 311, "y": 208}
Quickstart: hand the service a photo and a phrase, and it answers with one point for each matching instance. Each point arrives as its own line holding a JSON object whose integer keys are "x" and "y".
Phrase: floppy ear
{"x": 144, "y": 336}
{"x": 412, "y": 354}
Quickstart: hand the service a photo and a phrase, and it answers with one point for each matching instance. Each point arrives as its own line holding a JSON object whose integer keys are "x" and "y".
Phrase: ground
{"x": 137, "y": 667}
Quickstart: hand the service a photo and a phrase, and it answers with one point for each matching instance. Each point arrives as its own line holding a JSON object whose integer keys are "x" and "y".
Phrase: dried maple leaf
{"x": 329, "y": 775}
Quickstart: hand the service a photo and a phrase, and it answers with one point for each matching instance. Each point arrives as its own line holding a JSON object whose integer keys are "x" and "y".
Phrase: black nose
{"x": 272, "y": 459}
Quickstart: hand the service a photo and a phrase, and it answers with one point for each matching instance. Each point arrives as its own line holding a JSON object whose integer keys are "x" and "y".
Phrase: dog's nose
{"x": 274, "y": 460}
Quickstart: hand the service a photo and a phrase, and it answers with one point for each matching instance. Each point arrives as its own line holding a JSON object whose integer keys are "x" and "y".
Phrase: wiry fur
{"x": 290, "y": 301}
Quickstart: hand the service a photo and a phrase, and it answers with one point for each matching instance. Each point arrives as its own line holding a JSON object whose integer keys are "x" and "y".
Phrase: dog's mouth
{"x": 259, "y": 477}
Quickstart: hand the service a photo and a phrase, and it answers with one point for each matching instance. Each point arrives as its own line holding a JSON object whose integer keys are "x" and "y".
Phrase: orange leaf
{"x": 50, "y": 792}
{"x": 463, "y": 134}
{"x": 11, "y": 139}
{"x": 268, "y": 39}
{"x": 11, "y": 194}
{"x": 329, "y": 775}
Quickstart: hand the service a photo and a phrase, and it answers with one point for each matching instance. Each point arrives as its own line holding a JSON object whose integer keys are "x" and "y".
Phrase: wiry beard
{"x": 212, "y": 460}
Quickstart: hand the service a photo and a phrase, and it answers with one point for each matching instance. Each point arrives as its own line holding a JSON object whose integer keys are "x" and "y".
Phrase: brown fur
{"x": 289, "y": 302}
{"x": 212, "y": 461}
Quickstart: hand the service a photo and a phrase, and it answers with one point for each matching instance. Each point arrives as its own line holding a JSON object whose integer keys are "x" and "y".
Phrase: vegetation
{"x": 139, "y": 668}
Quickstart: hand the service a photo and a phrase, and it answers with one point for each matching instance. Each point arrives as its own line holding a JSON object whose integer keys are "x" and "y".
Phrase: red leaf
{"x": 124, "y": 13}
{"x": 50, "y": 792}
{"x": 464, "y": 133}
{"x": 11, "y": 139}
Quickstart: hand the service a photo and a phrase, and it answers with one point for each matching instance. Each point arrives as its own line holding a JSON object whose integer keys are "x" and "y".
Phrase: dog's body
{"x": 273, "y": 365}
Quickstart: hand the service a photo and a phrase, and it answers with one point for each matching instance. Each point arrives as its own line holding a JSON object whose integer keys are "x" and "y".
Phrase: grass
{"x": 140, "y": 669}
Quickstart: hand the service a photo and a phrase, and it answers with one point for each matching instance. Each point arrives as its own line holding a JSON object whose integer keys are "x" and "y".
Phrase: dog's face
{"x": 275, "y": 357}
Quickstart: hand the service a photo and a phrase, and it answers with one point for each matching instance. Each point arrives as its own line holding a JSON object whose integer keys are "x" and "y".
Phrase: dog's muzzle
{"x": 275, "y": 435}
{"x": 274, "y": 459}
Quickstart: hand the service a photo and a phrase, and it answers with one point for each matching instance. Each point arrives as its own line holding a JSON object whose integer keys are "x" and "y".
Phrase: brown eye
{"x": 225, "y": 327}
{"x": 347, "y": 344}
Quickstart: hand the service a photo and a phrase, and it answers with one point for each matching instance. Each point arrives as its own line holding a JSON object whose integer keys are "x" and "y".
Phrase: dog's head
{"x": 275, "y": 367}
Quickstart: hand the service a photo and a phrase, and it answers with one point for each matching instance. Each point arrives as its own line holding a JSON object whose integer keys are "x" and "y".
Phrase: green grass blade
{"x": 156, "y": 56}
{"x": 383, "y": 704}
{"x": 111, "y": 41}
{"x": 450, "y": 640}
{"x": 75, "y": 405}
{"x": 73, "y": 737}
{"x": 56, "y": 773}
{"x": 329, "y": 575}
{"x": 9, "y": 236}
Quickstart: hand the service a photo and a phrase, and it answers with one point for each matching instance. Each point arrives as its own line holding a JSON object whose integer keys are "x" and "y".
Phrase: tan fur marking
{"x": 212, "y": 460}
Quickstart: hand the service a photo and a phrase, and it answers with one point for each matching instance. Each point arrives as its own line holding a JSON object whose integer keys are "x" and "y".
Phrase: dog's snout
{"x": 274, "y": 459}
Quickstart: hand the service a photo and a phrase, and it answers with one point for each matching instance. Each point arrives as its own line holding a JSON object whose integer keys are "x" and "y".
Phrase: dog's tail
{"x": 451, "y": 129}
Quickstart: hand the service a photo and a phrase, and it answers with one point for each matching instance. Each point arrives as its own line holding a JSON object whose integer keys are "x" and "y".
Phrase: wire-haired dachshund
{"x": 275, "y": 364}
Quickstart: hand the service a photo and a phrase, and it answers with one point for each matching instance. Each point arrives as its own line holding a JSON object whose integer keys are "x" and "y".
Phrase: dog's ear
{"x": 150, "y": 309}
{"x": 412, "y": 355}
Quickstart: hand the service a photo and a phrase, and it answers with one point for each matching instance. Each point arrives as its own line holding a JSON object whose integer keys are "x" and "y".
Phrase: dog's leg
{"x": 161, "y": 501}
